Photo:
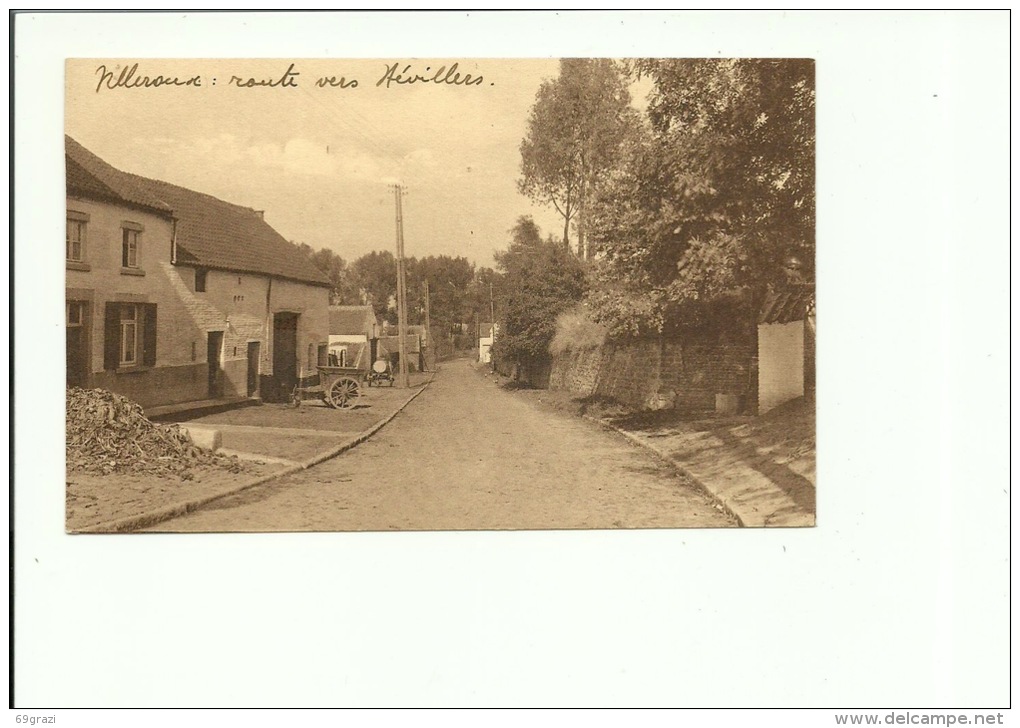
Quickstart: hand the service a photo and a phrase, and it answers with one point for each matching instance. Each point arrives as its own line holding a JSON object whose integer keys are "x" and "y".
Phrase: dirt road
{"x": 468, "y": 455}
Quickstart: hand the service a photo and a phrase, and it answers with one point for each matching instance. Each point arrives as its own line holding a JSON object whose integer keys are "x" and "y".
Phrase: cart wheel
{"x": 343, "y": 392}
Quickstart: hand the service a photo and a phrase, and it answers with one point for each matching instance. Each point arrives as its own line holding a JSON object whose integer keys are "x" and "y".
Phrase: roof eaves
{"x": 192, "y": 263}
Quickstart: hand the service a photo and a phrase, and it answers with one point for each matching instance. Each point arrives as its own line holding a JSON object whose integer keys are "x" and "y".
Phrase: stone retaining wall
{"x": 660, "y": 373}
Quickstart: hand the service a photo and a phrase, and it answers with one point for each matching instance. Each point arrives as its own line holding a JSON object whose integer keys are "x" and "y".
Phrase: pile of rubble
{"x": 107, "y": 433}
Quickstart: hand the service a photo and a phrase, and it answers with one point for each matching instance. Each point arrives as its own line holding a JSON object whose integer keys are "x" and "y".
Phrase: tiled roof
{"x": 351, "y": 320}
{"x": 412, "y": 343}
{"x": 216, "y": 234}
{"x": 211, "y": 233}
{"x": 785, "y": 305}
{"x": 90, "y": 176}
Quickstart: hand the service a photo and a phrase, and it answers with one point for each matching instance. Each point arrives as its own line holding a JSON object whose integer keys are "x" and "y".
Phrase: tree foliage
{"x": 714, "y": 197}
{"x": 449, "y": 280}
{"x": 575, "y": 130}
{"x": 540, "y": 280}
{"x": 344, "y": 288}
{"x": 372, "y": 279}
{"x": 376, "y": 274}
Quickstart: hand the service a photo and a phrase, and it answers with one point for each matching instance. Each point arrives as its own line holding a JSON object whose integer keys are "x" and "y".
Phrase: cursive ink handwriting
{"x": 128, "y": 79}
{"x": 287, "y": 80}
{"x": 398, "y": 73}
{"x": 334, "y": 82}
{"x": 447, "y": 76}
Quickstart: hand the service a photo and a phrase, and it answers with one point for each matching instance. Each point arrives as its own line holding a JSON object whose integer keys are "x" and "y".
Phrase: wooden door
{"x": 254, "y": 350}
{"x": 284, "y": 354}
{"x": 77, "y": 344}
{"x": 213, "y": 355}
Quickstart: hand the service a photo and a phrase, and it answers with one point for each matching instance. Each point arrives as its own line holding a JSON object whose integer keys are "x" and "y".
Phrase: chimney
{"x": 261, "y": 214}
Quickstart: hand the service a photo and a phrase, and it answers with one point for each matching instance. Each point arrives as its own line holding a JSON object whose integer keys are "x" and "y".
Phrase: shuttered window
{"x": 129, "y": 335}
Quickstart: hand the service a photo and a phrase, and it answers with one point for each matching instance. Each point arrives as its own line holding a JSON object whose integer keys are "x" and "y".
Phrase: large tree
{"x": 715, "y": 201}
{"x": 449, "y": 279}
{"x": 540, "y": 280}
{"x": 376, "y": 275}
{"x": 344, "y": 289}
{"x": 575, "y": 131}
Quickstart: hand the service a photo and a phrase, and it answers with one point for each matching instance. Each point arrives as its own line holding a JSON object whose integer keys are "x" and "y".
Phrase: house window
{"x": 129, "y": 249}
{"x": 312, "y": 356}
{"x": 77, "y": 223}
{"x": 130, "y": 335}
{"x": 131, "y": 233}
{"x": 200, "y": 280}
{"x": 323, "y": 355}
{"x": 75, "y": 313}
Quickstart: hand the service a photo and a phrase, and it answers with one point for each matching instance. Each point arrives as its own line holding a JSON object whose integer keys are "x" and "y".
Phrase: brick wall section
{"x": 161, "y": 385}
{"x": 630, "y": 373}
{"x": 657, "y": 373}
{"x": 576, "y": 371}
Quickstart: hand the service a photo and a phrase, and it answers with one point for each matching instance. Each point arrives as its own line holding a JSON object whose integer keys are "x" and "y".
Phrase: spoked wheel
{"x": 343, "y": 392}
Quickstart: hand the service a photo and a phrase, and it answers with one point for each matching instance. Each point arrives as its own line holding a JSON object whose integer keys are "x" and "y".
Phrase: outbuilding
{"x": 786, "y": 346}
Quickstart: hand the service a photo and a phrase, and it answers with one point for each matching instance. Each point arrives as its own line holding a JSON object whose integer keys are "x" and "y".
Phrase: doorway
{"x": 254, "y": 349}
{"x": 213, "y": 351}
{"x": 77, "y": 344}
{"x": 284, "y": 354}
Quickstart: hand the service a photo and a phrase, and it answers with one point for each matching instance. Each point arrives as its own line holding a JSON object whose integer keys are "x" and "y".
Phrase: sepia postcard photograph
{"x": 425, "y": 359}
{"x": 439, "y": 294}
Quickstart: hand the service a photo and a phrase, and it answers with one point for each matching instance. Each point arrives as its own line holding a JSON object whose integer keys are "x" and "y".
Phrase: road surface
{"x": 468, "y": 455}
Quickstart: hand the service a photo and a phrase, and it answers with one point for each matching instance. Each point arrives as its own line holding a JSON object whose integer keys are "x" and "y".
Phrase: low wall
{"x": 660, "y": 373}
{"x": 152, "y": 387}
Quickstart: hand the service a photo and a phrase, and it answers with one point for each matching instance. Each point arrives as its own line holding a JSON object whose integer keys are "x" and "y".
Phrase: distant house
{"x": 174, "y": 296}
{"x": 786, "y": 346}
{"x": 389, "y": 348}
{"x": 352, "y": 333}
{"x": 486, "y": 337}
{"x": 426, "y": 347}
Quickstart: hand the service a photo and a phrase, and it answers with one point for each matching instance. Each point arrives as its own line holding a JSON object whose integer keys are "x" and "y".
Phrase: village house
{"x": 486, "y": 337}
{"x": 388, "y": 347}
{"x": 176, "y": 296}
{"x": 353, "y": 332}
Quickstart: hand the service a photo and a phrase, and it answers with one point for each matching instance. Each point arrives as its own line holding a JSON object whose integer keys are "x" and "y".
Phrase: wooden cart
{"x": 338, "y": 387}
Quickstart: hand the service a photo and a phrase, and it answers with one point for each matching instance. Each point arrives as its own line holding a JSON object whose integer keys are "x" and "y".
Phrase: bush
{"x": 575, "y": 331}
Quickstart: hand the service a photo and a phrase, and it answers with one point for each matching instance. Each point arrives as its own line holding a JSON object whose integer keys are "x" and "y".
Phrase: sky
{"x": 319, "y": 160}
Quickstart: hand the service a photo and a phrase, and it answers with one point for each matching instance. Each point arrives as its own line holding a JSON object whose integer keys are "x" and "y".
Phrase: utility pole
{"x": 428, "y": 325}
{"x": 398, "y": 193}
